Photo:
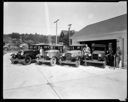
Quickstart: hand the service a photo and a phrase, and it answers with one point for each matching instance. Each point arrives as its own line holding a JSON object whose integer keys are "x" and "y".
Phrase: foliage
{"x": 16, "y": 39}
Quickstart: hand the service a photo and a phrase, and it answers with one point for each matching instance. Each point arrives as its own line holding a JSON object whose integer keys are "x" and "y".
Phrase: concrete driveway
{"x": 62, "y": 82}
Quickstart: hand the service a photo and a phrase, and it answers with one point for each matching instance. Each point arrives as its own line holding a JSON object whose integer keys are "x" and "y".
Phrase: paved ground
{"x": 62, "y": 82}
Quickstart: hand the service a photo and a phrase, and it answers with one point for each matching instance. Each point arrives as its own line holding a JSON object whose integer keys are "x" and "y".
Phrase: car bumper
{"x": 43, "y": 60}
{"x": 68, "y": 62}
{"x": 95, "y": 61}
{"x": 17, "y": 60}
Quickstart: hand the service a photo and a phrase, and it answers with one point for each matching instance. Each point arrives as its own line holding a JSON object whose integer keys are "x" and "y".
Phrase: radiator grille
{"x": 68, "y": 56}
{"x": 95, "y": 56}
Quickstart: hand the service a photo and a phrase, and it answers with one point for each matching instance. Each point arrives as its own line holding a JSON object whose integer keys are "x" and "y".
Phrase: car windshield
{"x": 50, "y": 48}
{"x": 33, "y": 47}
{"x": 55, "y": 47}
{"x": 46, "y": 47}
{"x": 100, "y": 48}
{"x": 75, "y": 48}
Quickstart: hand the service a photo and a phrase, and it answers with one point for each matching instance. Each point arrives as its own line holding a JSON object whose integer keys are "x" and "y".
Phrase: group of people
{"x": 114, "y": 59}
{"x": 111, "y": 58}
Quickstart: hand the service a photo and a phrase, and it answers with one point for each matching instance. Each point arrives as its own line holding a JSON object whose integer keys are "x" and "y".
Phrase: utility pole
{"x": 69, "y": 33}
{"x": 56, "y": 29}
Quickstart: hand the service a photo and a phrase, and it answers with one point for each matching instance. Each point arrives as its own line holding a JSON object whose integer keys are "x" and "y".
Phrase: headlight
{"x": 89, "y": 55}
{"x": 99, "y": 55}
{"x": 73, "y": 55}
{"x": 13, "y": 55}
{"x": 47, "y": 54}
{"x": 22, "y": 53}
{"x": 63, "y": 54}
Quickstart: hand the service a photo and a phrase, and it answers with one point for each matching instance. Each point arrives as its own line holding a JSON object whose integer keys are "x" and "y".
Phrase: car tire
{"x": 53, "y": 61}
{"x": 104, "y": 64}
{"x": 85, "y": 63}
{"x": 39, "y": 63}
{"x": 14, "y": 62}
{"x": 77, "y": 64}
{"x": 27, "y": 60}
{"x": 60, "y": 61}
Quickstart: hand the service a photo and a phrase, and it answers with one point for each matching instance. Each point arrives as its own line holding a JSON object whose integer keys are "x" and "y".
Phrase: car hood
{"x": 74, "y": 51}
{"x": 98, "y": 52}
{"x": 52, "y": 51}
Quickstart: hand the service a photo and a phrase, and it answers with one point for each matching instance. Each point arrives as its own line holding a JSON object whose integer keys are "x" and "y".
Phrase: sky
{"x": 39, "y": 17}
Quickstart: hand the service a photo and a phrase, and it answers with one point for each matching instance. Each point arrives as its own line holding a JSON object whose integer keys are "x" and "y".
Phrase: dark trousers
{"x": 110, "y": 60}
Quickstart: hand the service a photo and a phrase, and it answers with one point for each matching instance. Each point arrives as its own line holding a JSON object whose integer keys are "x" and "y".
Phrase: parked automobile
{"x": 73, "y": 56}
{"x": 51, "y": 55}
{"x": 26, "y": 56}
{"x": 97, "y": 56}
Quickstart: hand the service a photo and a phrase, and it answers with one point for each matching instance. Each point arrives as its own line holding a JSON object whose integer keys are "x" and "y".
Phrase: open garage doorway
{"x": 105, "y": 42}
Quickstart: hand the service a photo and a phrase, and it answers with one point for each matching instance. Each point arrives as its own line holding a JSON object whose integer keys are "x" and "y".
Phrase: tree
{"x": 3, "y": 43}
{"x": 15, "y": 35}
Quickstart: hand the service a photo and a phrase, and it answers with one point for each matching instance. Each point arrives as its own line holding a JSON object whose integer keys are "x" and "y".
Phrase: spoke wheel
{"x": 85, "y": 63}
{"x": 53, "y": 61}
{"x": 14, "y": 62}
{"x": 77, "y": 63}
{"x": 27, "y": 60}
{"x": 60, "y": 61}
{"x": 104, "y": 64}
{"x": 39, "y": 63}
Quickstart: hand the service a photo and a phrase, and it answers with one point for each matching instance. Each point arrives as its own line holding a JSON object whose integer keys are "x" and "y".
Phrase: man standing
{"x": 65, "y": 49}
{"x": 110, "y": 57}
{"x": 86, "y": 51}
{"x": 118, "y": 57}
{"x": 41, "y": 51}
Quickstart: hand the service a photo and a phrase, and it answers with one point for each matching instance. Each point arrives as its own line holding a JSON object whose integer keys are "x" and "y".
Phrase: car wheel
{"x": 27, "y": 60}
{"x": 104, "y": 64}
{"x": 85, "y": 63}
{"x": 77, "y": 63}
{"x": 53, "y": 61}
{"x": 14, "y": 62}
{"x": 60, "y": 61}
{"x": 39, "y": 63}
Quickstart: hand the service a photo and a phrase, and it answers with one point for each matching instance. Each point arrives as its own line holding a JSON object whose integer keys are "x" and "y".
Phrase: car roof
{"x": 40, "y": 44}
{"x": 52, "y": 50}
{"x": 73, "y": 51}
{"x": 77, "y": 45}
{"x": 56, "y": 45}
{"x": 48, "y": 44}
{"x": 99, "y": 45}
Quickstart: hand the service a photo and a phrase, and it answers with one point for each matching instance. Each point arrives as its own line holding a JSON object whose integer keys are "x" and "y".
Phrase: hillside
{"x": 16, "y": 39}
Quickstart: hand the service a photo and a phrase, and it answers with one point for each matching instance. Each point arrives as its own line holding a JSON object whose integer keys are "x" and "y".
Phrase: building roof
{"x": 65, "y": 32}
{"x": 64, "y": 36}
{"x": 105, "y": 36}
{"x": 109, "y": 26}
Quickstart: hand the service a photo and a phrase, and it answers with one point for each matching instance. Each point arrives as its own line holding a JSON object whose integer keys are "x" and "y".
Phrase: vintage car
{"x": 51, "y": 55}
{"x": 26, "y": 56}
{"x": 73, "y": 56}
{"x": 97, "y": 56}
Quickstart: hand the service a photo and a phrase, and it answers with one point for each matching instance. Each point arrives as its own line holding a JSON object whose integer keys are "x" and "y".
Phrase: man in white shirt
{"x": 86, "y": 50}
{"x": 41, "y": 51}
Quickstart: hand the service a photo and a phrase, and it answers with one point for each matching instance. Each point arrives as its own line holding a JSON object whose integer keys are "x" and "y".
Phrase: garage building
{"x": 112, "y": 30}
